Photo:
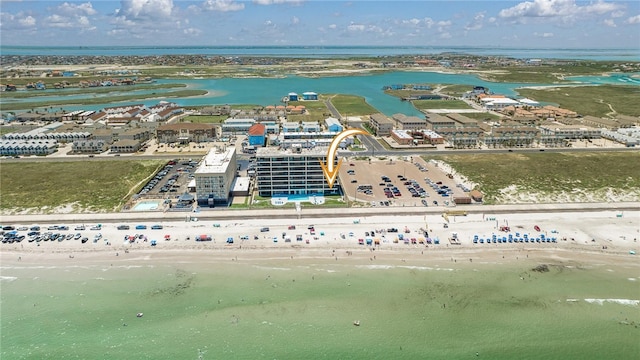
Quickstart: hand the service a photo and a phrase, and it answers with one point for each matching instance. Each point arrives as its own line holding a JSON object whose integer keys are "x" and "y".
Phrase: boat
{"x": 139, "y": 314}
{"x": 356, "y": 322}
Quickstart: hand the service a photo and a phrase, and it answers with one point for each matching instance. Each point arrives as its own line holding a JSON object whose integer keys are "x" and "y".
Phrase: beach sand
{"x": 288, "y": 300}
{"x": 611, "y": 233}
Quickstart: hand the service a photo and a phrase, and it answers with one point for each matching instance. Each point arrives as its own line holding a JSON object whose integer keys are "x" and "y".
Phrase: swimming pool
{"x": 146, "y": 206}
{"x": 279, "y": 200}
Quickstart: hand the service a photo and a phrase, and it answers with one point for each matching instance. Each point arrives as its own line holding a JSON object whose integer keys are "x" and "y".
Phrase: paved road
{"x": 307, "y": 213}
{"x": 368, "y": 141}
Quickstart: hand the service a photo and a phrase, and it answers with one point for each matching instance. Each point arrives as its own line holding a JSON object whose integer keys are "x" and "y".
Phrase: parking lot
{"x": 404, "y": 182}
{"x": 173, "y": 178}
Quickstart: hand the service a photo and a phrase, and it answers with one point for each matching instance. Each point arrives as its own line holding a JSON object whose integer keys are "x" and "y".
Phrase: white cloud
{"x": 223, "y": 5}
{"x": 27, "y": 21}
{"x": 295, "y": 20}
{"x": 356, "y": 27}
{"x": 19, "y": 21}
{"x": 192, "y": 31}
{"x": 476, "y": 23}
{"x": 413, "y": 22}
{"x": 617, "y": 14}
{"x": 543, "y": 35}
{"x": 332, "y": 26}
{"x": 76, "y": 9}
{"x": 566, "y": 10}
{"x": 609, "y": 22}
{"x": 416, "y": 23}
{"x": 633, "y": 20}
{"x": 146, "y": 9}
{"x": 71, "y": 16}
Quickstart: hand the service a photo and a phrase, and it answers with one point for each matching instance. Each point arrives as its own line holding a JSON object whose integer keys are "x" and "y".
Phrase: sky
{"x": 533, "y": 23}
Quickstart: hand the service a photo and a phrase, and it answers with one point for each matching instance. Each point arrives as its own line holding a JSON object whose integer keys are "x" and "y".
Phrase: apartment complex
{"x": 185, "y": 132}
{"x": 404, "y": 122}
{"x": 214, "y": 177}
{"x": 381, "y": 124}
{"x": 294, "y": 171}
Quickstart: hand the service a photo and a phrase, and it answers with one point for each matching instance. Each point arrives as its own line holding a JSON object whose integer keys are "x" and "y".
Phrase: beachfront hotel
{"x": 292, "y": 171}
{"x": 214, "y": 177}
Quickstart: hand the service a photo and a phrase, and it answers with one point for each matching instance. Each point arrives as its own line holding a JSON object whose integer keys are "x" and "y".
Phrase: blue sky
{"x": 532, "y": 23}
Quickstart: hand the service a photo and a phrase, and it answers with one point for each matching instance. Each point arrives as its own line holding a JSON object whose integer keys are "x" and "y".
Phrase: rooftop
{"x": 216, "y": 161}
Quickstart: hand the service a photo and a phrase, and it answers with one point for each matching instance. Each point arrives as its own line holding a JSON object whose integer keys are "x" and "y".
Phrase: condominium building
{"x": 404, "y": 122}
{"x": 381, "y": 124}
{"x": 214, "y": 177}
{"x": 294, "y": 171}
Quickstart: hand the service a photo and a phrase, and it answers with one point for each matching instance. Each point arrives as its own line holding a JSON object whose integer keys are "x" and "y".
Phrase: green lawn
{"x": 591, "y": 100}
{"x": 548, "y": 173}
{"x": 352, "y": 105}
{"x": 95, "y": 185}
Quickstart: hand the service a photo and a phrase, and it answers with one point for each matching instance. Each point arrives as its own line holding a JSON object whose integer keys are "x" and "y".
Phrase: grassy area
{"x": 88, "y": 91}
{"x": 591, "y": 100}
{"x": 441, "y": 104}
{"x": 456, "y": 90}
{"x": 548, "y": 73}
{"x": 205, "y": 119}
{"x": 102, "y": 100}
{"x": 96, "y": 185}
{"x": 548, "y": 173}
{"x": 351, "y": 105}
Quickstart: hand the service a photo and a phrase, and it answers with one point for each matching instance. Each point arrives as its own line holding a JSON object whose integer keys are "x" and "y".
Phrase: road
{"x": 309, "y": 213}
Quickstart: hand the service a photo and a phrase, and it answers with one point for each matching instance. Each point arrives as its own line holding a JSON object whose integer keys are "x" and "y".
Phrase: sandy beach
{"x": 256, "y": 298}
{"x": 613, "y": 232}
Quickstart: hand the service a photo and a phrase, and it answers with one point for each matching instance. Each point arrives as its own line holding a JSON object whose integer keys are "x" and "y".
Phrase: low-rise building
{"x": 240, "y": 125}
{"x": 139, "y": 134}
{"x": 27, "y": 147}
{"x": 437, "y": 121}
{"x": 126, "y": 146}
{"x": 571, "y": 131}
{"x": 521, "y": 136}
{"x": 381, "y": 124}
{"x": 291, "y": 127}
{"x": 333, "y": 124}
{"x": 310, "y": 126}
{"x": 89, "y": 146}
{"x": 256, "y": 135}
{"x": 404, "y": 122}
{"x": 186, "y": 132}
{"x": 462, "y": 121}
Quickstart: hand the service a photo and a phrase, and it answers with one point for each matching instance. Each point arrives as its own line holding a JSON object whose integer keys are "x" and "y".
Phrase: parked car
{"x": 123, "y": 227}
{"x": 141, "y": 227}
{"x": 156, "y": 227}
{"x": 264, "y": 229}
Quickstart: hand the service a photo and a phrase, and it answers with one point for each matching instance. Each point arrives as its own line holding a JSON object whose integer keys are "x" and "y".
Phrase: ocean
{"x": 304, "y": 308}
{"x": 613, "y": 54}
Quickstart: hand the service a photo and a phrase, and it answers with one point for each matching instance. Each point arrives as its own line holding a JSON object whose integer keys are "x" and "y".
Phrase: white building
{"x": 214, "y": 177}
{"x": 294, "y": 171}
